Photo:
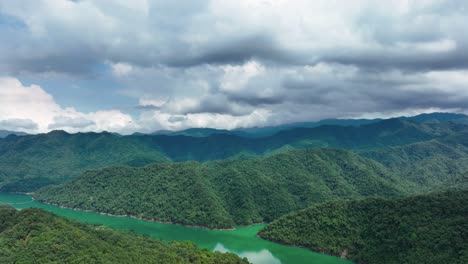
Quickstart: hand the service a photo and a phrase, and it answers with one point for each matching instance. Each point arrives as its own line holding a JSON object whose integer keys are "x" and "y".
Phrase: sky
{"x": 142, "y": 65}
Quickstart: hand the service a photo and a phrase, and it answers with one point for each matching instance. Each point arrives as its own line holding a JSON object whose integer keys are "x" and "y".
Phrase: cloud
{"x": 121, "y": 69}
{"x": 17, "y": 123}
{"x": 176, "y": 119}
{"x": 235, "y": 63}
{"x": 276, "y": 95}
{"x": 66, "y": 36}
{"x": 31, "y": 109}
{"x": 65, "y": 121}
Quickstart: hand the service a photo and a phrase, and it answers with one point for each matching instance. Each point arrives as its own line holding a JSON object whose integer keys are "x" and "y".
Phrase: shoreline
{"x": 315, "y": 250}
{"x": 140, "y": 218}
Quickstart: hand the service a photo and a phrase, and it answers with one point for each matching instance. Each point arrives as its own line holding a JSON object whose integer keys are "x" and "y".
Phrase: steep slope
{"x": 224, "y": 193}
{"x": 29, "y": 162}
{"x": 428, "y": 164}
{"x": 430, "y": 228}
{"x": 36, "y": 236}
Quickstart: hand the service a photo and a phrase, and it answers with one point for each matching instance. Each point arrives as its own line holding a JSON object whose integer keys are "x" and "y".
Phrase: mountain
{"x": 36, "y": 236}
{"x": 428, "y": 164}
{"x": 256, "y": 132}
{"x": 225, "y": 193}
{"x": 5, "y": 133}
{"x": 438, "y": 118}
{"x": 431, "y": 228}
{"x": 422, "y": 118}
{"x": 271, "y": 130}
{"x": 30, "y": 162}
{"x": 196, "y": 132}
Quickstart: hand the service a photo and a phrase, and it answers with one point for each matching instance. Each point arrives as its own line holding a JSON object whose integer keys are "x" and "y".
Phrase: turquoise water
{"x": 242, "y": 241}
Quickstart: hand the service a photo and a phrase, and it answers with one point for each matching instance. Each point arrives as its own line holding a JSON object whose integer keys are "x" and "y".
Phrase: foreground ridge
{"x": 431, "y": 228}
{"x": 36, "y": 236}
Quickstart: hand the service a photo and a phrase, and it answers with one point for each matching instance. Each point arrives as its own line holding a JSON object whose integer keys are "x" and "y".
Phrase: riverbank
{"x": 242, "y": 241}
{"x": 343, "y": 255}
{"x": 140, "y": 218}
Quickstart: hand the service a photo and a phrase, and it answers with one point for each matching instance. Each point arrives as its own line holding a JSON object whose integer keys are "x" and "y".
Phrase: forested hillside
{"x": 428, "y": 164}
{"x": 36, "y": 236}
{"x": 30, "y": 162}
{"x": 431, "y": 228}
{"x": 224, "y": 193}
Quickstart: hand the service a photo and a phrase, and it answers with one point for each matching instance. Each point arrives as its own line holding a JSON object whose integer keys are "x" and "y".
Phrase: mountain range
{"x": 429, "y": 228}
{"x": 373, "y": 191}
{"x": 222, "y": 194}
{"x": 30, "y": 162}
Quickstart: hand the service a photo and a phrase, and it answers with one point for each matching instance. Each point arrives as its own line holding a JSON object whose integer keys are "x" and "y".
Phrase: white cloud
{"x": 155, "y": 120}
{"x": 19, "y": 102}
{"x": 233, "y": 63}
{"x": 121, "y": 69}
{"x": 17, "y": 123}
{"x": 236, "y": 76}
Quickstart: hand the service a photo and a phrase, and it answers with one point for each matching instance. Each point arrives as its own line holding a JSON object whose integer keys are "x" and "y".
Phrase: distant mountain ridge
{"x": 6, "y": 133}
{"x": 30, "y": 162}
{"x": 271, "y": 130}
{"x": 428, "y": 163}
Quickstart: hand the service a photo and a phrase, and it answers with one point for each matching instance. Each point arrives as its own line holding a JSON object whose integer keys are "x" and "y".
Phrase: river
{"x": 242, "y": 241}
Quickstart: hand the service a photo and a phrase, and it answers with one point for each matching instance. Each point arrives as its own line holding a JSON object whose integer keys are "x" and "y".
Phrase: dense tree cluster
{"x": 431, "y": 228}
{"x": 25, "y": 161}
{"x": 219, "y": 179}
{"x": 35, "y": 236}
{"x": 428, "y": 164}
{"x": 224, "y": 193}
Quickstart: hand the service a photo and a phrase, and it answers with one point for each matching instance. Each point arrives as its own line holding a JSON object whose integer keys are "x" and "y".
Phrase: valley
{"x": 219, "y": 189}
{"x": 233, "y": 132}
{"x": 242, "y": 241}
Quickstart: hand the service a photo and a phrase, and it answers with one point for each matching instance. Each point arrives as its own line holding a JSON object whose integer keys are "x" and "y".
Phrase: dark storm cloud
{"x": 236, "y": 51}
{"x": 300, "y": 61}
{"x": 159, "y": 37}
{"x": 175, "y": 119}
{"x": 399, "y": 98}
{"x": 256, "y": 100}
{"x": 357, "y": 95}
{"x": 403, "y": 60}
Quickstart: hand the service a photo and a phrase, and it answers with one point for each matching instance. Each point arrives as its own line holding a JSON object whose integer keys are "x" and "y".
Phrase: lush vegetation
{"x": 428, "y": 164}
{"x": 430, "y": 228}
{"x": 59, "y": 156}
{"x": 30, "y": 162}
{"x": 223, "y": 193}
{"x": 36, "y": 236}
{"x": 386, "y": 158}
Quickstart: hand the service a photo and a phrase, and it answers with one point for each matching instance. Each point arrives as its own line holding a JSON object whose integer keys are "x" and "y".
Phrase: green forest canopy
{"x": 430, "y": 228}
{"x": 224, "y": 193}
{"x": 36, "y": 236}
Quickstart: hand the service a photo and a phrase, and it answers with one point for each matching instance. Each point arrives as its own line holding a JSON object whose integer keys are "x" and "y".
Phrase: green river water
{"x": 242, "y": 241}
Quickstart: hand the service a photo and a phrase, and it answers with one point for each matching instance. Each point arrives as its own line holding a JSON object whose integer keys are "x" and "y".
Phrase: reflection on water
{"x": 242, "y": 241}
{"x": 263, "y": 256}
